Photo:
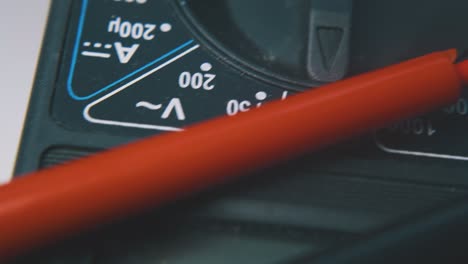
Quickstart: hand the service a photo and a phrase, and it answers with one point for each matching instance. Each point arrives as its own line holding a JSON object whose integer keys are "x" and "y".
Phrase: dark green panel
{"x": 114, "y": 71}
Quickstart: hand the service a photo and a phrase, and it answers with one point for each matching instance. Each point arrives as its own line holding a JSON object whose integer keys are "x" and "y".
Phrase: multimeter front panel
{"x": 113, "y": 71}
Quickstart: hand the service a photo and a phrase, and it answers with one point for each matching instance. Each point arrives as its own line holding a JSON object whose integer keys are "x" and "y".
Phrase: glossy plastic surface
{"x": 54, "y": 203}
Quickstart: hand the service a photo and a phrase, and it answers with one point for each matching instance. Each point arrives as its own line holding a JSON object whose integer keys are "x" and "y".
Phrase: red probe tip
{"x": 462, "y": 69}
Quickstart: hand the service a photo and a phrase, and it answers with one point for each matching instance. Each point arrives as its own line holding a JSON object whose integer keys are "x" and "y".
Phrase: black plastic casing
{"x": 300, "y": 208}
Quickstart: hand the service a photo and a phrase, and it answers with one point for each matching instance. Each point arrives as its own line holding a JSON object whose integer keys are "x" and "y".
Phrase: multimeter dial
{"x": 143, "y": 67}
{"x": 297, "y": 44}
{"x": 135, "y": 65}
{"x": 113, "y": 71}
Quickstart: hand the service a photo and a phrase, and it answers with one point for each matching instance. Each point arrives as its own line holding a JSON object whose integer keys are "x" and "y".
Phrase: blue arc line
{"x": 130, "y": 75}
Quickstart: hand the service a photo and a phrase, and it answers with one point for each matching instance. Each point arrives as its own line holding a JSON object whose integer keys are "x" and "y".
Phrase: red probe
{"x": 49, "y": 205}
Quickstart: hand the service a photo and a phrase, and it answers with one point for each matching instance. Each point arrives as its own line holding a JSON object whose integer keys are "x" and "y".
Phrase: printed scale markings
{"x": 132, "y": 1}
{"x": 124, "y": 53}
{"x": 96, "y": 52}
{"x": 199, "y": 80}
{"x": 88, "y": 117}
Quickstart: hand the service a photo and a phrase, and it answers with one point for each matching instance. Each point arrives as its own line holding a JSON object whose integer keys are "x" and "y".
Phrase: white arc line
{"x": 96, "y": 54}
{"x": 416, "y": 153}
{"x": 91, "y": 119}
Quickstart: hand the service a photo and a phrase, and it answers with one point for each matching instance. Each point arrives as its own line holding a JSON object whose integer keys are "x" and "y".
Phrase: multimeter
{"x": 112, "y": 71}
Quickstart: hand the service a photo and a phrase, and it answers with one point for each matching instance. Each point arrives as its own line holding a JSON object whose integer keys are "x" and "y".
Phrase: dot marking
{"x": 166, "y": 27}
{"x": 206, "y": 67}
{"x": 261, "y": 96}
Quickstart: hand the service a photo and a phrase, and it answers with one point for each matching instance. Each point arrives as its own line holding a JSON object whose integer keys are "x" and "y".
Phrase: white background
{"x": 22, "y": 24}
